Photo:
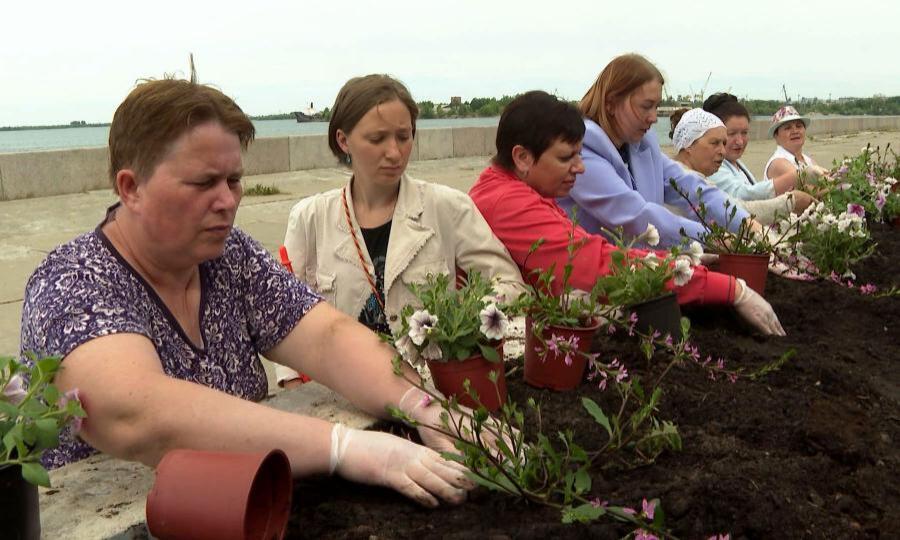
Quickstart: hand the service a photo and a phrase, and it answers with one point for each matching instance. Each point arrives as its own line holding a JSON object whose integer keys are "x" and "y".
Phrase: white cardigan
{"x": 435, "y": 229}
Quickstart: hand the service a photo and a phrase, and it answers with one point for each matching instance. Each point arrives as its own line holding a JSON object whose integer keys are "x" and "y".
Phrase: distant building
{"x": 455, "y": 100}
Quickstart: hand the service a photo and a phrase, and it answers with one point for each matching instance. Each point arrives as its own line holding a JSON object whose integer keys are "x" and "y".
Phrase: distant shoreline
{"x": 491, "y": 107}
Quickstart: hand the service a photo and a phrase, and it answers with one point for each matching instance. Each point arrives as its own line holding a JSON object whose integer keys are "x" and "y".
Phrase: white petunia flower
{"x": 432, "y": 351}
{"x": 695, "y": 251}
{"x": 15, "y": 391}
{"x": 420, "y": 325}
{"x": 683, "y": 271}
{"x": 493, "y": 322}
{"x": 651, "y": 235}
{"x": 407, "y": 350}
{"x": 650, "y": 260}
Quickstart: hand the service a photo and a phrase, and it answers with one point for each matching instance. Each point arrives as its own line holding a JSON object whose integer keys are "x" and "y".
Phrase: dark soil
{"x": 809, "y": 451}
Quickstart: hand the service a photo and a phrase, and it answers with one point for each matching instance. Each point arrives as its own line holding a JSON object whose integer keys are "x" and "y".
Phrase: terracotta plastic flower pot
{"x": 449, "y": 377}
{"x": 20, "y": 514}
{"x": 550, "y": 370}
{"x": 662, "y": 314}
{"x": 220, "y": 495}
{"x": 751, "y": 268}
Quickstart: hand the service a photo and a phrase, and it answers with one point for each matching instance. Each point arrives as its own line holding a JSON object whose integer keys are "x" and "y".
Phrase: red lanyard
{"x": 359, "y": 253}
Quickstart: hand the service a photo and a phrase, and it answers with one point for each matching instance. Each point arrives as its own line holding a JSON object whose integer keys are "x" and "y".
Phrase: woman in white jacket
{"x": 362, "y": 245}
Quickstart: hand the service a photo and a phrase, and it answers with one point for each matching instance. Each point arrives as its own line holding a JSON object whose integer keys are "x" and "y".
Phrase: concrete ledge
{"x": 103, "y": 497}
{"x": 310, "y": 152}
{"x": 268, "y": 155}
{"x": 468, "y": 141}
{"x": 57, "y": 172}
{"x": 434, "y": 143}
{"x": 53, "y": 172}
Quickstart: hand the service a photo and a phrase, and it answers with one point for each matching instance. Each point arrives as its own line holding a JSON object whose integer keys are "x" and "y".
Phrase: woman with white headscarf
{"x": 699, "y": 138}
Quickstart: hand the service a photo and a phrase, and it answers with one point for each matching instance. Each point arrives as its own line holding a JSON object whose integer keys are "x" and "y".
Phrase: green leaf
{"x": 12, "y": 436}
{"x": 51, "y": 394}
{"x": 8, "y": 409}
{"x": 594, "y": 410}
{"x": 489, "y": 353}
{"x": 659, "y": 516}
{"x": 36, "y": 474}
{"x": 47, "y": 434}
{"x": 584, "y": 513}
{"x": 582, "y": 481}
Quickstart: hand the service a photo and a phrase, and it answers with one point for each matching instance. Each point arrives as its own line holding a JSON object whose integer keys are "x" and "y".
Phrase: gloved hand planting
{"x": 420, "y": 473}
{"x": 754, "y": 309}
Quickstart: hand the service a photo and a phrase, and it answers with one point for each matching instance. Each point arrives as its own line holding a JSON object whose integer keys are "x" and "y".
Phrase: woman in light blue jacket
{"x": 626, "y": 178}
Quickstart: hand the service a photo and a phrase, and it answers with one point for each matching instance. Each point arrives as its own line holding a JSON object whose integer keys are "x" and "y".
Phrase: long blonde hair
{"x": 622, "y": 76}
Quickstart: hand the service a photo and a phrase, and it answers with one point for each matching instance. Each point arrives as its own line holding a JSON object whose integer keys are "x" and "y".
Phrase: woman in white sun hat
{"x": 700, "y": 138}
{"x": 789, "y": 130}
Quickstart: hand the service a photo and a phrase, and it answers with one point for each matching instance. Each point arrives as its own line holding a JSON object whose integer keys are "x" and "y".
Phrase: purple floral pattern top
{"x": 84, "y": 290}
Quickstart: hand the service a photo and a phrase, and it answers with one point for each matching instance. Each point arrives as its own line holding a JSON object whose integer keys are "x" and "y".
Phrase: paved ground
{"x": 30, "y": 228}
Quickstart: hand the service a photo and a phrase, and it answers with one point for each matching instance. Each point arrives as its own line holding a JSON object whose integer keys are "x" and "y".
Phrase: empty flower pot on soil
{"x": 220, "y": 495}
{"x": 551, "y": 369}
{"x": 751, "y": 268}
{"x": 20, "y": 515}
{"x": 661, "y": 314}
{"x": 449, "y": 378}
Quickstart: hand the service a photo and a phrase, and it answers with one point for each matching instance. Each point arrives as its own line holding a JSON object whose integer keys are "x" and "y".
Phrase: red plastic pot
{"x": 220, "y": 495}
{"x": 20, "y": 514}
{"x": 751, "y": 268}
{"x": 449, "y": 377}
{"x": 662, "y": 314}
{"x": 549, "y": 370}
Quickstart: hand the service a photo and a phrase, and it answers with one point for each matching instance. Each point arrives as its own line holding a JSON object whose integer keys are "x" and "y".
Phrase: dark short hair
{"x": 357, "y": 97}
{"x": 725, "y": 105}
{"x": 158, "y": 112}
{"x": 536, "y": 120}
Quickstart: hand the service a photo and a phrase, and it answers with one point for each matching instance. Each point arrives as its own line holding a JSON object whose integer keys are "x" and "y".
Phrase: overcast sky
{"x": 77, "y": 60}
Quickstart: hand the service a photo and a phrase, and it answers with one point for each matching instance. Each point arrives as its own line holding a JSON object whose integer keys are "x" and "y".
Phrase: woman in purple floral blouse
{"x": 161, "y": 311}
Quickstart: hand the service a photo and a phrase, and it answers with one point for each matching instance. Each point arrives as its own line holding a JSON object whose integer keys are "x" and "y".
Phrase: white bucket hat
{"x": 783, "y": 116}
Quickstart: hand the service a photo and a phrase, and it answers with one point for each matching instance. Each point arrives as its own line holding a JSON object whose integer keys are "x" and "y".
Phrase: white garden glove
{"x": 754, "y": 309}
{"x": 423, "y": 409}
{"x": 816, "y": 171}
{"x": 420, "y": 473}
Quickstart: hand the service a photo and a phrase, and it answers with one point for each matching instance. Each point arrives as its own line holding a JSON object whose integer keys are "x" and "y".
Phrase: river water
{"x": 33, "y": 140}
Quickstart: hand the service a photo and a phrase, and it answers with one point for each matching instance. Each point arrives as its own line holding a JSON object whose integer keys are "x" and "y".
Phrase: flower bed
{"x": 809, "y": 450}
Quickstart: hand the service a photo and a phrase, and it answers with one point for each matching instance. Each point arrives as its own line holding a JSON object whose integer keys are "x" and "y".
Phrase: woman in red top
{"x": 538, "y": 157}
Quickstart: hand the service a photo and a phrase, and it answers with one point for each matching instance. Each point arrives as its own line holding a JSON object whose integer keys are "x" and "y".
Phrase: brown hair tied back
{"x": 357, "y": 97}
{"x": 725, "y": 105}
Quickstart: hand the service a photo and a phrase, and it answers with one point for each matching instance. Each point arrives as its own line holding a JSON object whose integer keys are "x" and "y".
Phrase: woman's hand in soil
{"x": 420, "y": 473}
{"x": 754, "y": 309}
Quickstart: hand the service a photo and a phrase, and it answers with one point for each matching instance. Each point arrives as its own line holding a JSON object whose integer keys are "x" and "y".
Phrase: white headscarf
{"x": 693, "y": 125}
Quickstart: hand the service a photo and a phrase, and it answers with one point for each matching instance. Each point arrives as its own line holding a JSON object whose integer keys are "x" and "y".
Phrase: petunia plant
{"x": 821, "y": 243}
{"x": 720, "y": 238}
{"x": 33, "y": 413}
{"x": 638, "y": 276}
{"x": 452, "y": 323}
{"x": 867, "y": 180}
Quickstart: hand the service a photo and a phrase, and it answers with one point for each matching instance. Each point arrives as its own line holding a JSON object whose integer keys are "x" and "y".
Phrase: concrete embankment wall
{"x": 58, "y": 172}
